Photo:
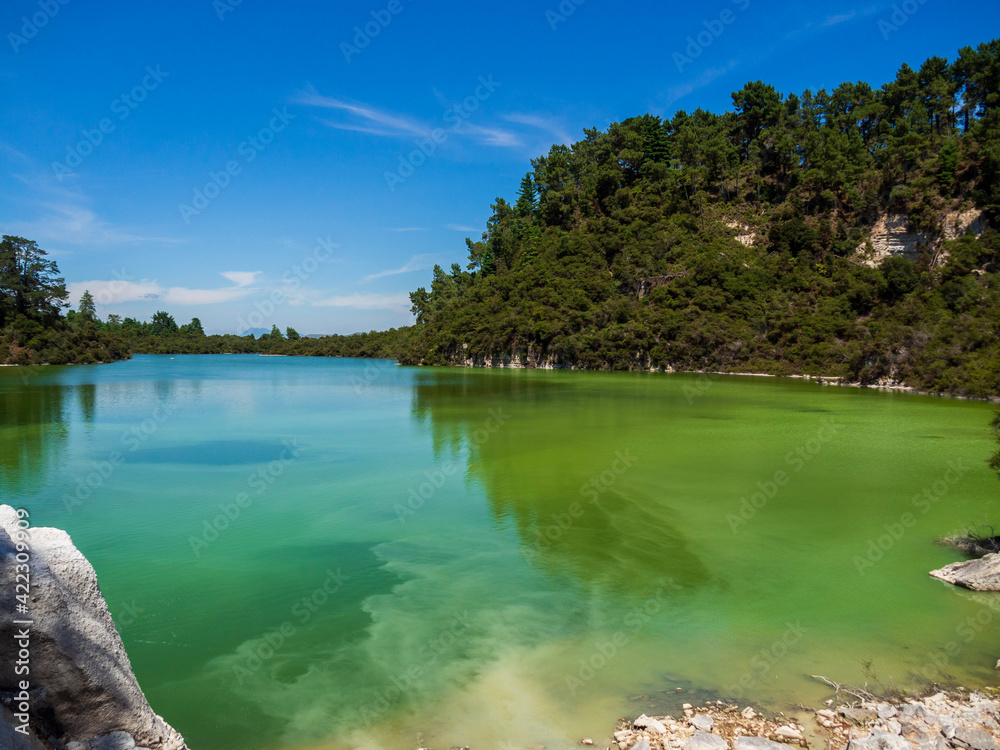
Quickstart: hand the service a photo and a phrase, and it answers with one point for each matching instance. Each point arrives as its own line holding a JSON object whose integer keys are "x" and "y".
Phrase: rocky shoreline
{"x": 957, "y": 721}
{"x": 507, "y": 362}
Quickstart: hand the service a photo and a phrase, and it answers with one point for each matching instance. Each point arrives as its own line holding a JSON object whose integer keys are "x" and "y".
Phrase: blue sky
{"x": 250, "y": 162}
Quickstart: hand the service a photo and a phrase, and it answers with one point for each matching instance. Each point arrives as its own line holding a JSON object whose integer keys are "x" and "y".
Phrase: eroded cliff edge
{"x": 82, "y": 693}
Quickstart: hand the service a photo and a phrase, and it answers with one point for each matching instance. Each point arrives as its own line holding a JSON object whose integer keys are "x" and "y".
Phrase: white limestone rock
{"x": 82, "y": 682}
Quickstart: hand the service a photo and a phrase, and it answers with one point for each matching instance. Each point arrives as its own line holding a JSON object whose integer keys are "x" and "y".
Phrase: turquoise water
{"x": 341, "y": 553}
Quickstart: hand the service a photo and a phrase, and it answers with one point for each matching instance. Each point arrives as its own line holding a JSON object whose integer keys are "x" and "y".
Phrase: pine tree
{"x": 193, "y": 328}
{"x": 527, "y": 198}
{"x": 656, "y": 146}
{"x": 87, "y": 309}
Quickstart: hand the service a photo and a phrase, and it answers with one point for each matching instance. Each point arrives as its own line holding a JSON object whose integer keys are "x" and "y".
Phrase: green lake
{"x": 342, "y": 553}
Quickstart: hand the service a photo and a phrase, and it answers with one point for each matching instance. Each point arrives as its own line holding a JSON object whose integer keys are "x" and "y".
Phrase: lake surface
{"x": 340, "y": 553}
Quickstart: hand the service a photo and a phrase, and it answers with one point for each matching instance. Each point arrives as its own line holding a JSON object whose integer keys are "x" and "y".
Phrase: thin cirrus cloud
{"x": 120, "y": 290}
{"x": 368, "y": 302}
{"x": 488, "y": 136}
{"x": 181, "y": 296}
{"x": 361, "y": 117}
{"x": 116, "y": 291}
{"x": 543, "y": 123}
{"x": 839, "y": 19}
{"x": 241, "y": 278}
{"x": 449, "y": 227}
{"x": 366, "y": 118}
{"x": 416, "y": 263}
{"x": 61, "y": 215}
{"x": 704, "y": 79}
{"x": 812, "y": 28}
{"x": 75, "y": 225}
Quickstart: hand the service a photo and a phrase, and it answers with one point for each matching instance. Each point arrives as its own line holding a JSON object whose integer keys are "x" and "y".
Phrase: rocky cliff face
{"x": 892, "y": 235}
{"x": 81, "y": 693}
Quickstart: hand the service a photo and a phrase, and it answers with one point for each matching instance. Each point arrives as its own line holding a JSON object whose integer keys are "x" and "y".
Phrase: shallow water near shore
{"x": 339, "y": 553}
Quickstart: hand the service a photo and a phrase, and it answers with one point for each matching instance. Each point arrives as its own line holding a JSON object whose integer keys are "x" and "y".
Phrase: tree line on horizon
{"x": 34, "y": 329}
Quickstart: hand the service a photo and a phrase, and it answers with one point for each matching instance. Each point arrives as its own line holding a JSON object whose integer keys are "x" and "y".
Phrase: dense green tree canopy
{"x": 730, "y": 241}
{"x": 30, "y": 285}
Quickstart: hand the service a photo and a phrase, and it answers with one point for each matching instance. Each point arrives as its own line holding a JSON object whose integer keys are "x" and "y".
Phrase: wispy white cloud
{"x": 368, "y": 118}
{"x": 676, "y": 93}
{"x": 416, "y": 263}
{"x": 62, "y": 215}
{"x": 241, "y": 278}
{"x": 360, "y": 117}
{"x": 460, "y": 228}
{"x": 368, "y": 301}
{"x": 73, "y": 224}
{"x": 182, "y": 296}
{"x": 7, "y": 150}
{"x": 490, "y": 136}
{"x": 839, "y": 19}
{"x": 354, "y": 128}
{"x": 541, "y": 122}
{"x": 812, "y": 28}
{"x": 118, "y": 291}
{"x": 298, "y": 295}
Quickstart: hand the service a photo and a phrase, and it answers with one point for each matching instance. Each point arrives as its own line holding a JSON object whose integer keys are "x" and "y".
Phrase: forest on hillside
{"x": 736, "y": 241}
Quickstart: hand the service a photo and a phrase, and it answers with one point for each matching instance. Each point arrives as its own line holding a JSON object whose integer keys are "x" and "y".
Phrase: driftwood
{"x": 852, "y": 690}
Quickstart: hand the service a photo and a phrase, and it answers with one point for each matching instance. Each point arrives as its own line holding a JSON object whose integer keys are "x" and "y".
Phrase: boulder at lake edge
{"x": 82, "y": 684}
{"x": 979, "y": 575}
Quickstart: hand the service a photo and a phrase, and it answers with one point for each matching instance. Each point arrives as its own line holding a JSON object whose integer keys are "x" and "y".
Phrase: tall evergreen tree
{"x": 87, "y": 309}
{"x": 527, "y": 198}
{"x": 194, "y": 328}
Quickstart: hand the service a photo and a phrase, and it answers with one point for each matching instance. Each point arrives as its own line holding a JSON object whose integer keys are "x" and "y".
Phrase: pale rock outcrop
{"x": 653, "y": 725}
{"x": 979, "y": 575}
{"x": 82, "y": 689}
{"x": 746, "y": 236}
{"x": 705, "y": 741}
{"x": 892, "y": 235}
{"x": 703, "y": 722}
{"x": 757, "y": 743}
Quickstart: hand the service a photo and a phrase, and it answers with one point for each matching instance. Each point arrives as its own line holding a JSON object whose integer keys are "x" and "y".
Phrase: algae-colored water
{"x": 334, "y": 553}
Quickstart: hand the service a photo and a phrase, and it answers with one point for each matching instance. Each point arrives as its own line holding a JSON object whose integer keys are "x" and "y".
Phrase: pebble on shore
{"x": 937, "y": 722}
